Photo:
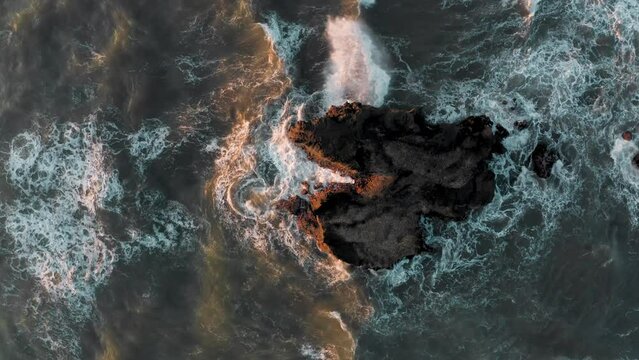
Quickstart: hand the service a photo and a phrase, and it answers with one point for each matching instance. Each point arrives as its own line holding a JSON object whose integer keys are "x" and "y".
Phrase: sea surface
{"x": 143, "y": 147}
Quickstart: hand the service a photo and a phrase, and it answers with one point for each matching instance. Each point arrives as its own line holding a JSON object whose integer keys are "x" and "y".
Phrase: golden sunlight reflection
{"x": 245, "y": 202}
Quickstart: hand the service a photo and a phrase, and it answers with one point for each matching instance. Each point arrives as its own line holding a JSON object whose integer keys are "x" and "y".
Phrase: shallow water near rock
{"x": 144, "y": 147}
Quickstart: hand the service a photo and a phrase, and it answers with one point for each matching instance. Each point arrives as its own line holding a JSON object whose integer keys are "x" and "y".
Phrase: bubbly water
{"x": 65, "y": 186}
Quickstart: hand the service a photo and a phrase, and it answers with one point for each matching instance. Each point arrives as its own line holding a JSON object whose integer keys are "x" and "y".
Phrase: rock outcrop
{"x": 521, "y": 124}
{"x": 543, "y": 158}
{"x": 403, "y": 168}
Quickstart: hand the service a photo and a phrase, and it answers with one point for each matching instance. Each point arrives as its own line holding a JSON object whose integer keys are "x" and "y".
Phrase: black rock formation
{"x": 543, "y": 159}
{"x": 403, "y": 168}
{"x": 521, "y": 124}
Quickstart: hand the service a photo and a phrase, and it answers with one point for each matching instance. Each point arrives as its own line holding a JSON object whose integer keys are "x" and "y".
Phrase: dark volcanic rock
{"x": 635, "y": 160}
{"x": 403, "y": 168}
{"x": 543, "y": 159}
{"x": 521, "y": 124}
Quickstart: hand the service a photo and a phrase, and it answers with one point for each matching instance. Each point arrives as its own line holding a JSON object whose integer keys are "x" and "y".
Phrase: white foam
{"x": 53, "y": 222}
{"x": 292, "y": 164}
{"x": 148, "y": 143}
{"x": 627, "y": 192}
{"x": 355, "y": 71}
{"x": 252, "y": 196}
{"x": 311, "y": 352}
{"x": 172, "y": 227}
{"x": 64, "y": 182}
{"x": 213, "y": 146}
{"x": 286, "y": 38}
{"x": 235, "y": 162}
{"x": 367, "y": 3}
{"x": 622, "y": 153}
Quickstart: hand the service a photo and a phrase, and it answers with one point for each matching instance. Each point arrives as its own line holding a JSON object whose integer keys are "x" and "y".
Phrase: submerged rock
{"x": 521, "y": 124}
{"x": 543, "y": 160}
{"x": 403, "y": 168}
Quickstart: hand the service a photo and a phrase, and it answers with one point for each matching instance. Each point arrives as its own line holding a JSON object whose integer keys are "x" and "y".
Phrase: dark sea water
{"x": 143, "y": 146}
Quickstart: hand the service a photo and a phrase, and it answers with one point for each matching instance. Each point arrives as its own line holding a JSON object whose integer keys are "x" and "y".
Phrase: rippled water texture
{"x": 143, "y": 147}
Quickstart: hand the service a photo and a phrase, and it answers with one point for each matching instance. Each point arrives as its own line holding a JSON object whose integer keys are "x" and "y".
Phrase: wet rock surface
{"x": 543, "y": 158}
{"x": 403, "y": 168}
{"x": 521, "y": 124}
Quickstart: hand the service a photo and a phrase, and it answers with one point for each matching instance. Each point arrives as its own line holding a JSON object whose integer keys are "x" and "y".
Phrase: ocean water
{"x": 143, "y": 147}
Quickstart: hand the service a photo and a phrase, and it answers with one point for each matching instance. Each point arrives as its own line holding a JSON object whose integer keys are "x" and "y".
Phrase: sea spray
{"x": 251, "y": 176}
{"x": 291, "y": 162}
{"x": 356, "y": 66}
{"x": 282, "y": 168}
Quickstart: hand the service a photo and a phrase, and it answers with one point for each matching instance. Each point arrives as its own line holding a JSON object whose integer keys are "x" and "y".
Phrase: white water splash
{"x": 622, "y": 153}
{"x": 251, "y": 196}
{"x": 355, "y": 72}
{"x": 291, "y": 162}
{"x": 366, "y": 3}
{"x": 256, "y": 167}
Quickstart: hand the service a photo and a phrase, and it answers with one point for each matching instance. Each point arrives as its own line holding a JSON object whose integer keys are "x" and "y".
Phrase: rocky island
{"x": 543, "y": 159}
{"x": 403, "y": 168}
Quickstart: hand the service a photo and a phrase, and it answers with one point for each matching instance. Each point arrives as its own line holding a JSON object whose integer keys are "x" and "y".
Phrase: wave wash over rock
{"x": 403, "y": 168}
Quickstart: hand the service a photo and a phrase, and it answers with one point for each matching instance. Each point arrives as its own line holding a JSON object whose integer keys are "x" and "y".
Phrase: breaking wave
{"x": 356, "y": 71}
{"x": 259, "y": 166}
